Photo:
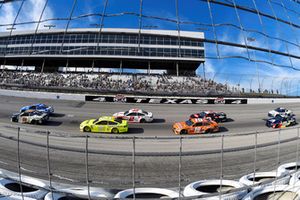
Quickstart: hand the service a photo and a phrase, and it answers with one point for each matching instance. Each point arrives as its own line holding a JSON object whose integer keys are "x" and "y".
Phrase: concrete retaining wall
{"x": 42, "y": 95}
{"x": 81, "y": 97}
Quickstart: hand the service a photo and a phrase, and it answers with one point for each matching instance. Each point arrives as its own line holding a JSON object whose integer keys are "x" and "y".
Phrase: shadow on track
{"x": 229, "y": 120}
{"x": 158, "y": 120}
{"x": 57, "y": 115}
{"x": 53, "y": 123}
{"x": 135, "y": 131}
{"x": 223, "y": 129}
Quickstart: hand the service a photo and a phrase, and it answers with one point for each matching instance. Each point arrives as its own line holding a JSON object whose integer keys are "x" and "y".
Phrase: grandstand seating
{"x": 141, "y": 83}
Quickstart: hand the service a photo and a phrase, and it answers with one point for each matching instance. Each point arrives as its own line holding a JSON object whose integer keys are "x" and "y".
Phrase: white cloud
{"x": 7, "y": 15}
{"x": 31, "y": 11}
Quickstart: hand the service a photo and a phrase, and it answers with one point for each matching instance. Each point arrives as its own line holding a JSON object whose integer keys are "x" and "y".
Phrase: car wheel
{"x": 208, "y": 130}
{"x": 142, "y": 121}
{"x": 114, "y": 130}
{"x": 87, "y": 129}
{"x": 183, "y": 132}
{"x": 40, "y": 121}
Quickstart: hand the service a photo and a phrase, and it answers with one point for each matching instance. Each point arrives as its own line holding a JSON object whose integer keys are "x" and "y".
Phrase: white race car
{"x": 135, "y": 115}
{"x": 280, "y": 111}
{"x": 30, "y": 117}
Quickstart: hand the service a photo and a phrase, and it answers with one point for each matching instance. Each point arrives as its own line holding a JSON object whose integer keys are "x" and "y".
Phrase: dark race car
{"x": 215, "y": 116}
{"x": 281, "y": 121}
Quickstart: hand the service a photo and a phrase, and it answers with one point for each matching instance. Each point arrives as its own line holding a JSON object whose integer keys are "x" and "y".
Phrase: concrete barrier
{"x": 42, "y": 95}
{"x": 82, "y": 97}
{"x": 272, "y": 100}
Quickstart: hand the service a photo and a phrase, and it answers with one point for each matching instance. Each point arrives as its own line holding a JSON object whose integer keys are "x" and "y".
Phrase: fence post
{"x": 255, "y": 157}
{"x": 278, "y": 158}
{"x": 297, "y": 154}
{"x": 179, "y": 167}
{"x": 87, "y": 165}
{"x": 133, "y": 166}
{"x": 221, "y": 173}
{"x": 297, "y": 149}
{"x": 48, "y": 165}
{"x": 19, "y": 162}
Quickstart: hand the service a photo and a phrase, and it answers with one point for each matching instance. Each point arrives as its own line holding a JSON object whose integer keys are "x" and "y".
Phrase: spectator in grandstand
{"x": 164, "y": 84}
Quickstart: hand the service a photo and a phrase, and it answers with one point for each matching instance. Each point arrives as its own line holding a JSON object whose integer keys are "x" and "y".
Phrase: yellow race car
{"x": 105, "y": 124}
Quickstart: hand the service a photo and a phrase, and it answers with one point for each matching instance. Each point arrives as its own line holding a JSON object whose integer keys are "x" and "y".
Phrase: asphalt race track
{"x": 155, "y": 165}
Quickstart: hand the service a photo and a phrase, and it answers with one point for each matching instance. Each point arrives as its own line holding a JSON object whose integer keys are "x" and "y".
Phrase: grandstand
{"x": 117, "y": 83}
{"x": 47, "y": 50}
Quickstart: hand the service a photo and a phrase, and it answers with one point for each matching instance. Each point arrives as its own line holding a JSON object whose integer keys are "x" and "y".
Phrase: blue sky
{"x": 229, "y": 24}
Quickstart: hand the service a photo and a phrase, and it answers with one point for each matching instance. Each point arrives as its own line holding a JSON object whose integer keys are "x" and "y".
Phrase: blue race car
{"x": 281, "y": 122}
{"x": 38, "y": 107}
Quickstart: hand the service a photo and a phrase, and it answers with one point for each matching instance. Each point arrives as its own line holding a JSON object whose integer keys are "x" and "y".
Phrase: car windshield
{"x": 118, "y": 120}
{"x": 38, "y": 113}
{"x": 126, "y": 113}
{"x": 279, "y": 109}
{"x": 189, "y": 122}
{"x": 278, "y": 117}
{"x": 95, "y": 121}
{"x": 202, "y": 114}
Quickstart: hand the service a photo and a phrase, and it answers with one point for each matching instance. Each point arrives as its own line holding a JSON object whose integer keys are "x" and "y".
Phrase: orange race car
{"x": 195, "y": 126}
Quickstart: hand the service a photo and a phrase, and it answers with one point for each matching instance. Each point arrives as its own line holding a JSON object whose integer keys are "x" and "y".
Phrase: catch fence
{"x": 122, "y": 162}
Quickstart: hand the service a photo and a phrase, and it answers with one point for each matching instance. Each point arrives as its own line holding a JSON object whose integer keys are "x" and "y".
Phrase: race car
{"x": 281, "y": 122}
{"x": 215, "y": 116}
{"x": 280, "y": 111}
{"x": 30, "y": 117}
{"x": 135, "y": 115}
{"x": 105, "y": 124}
{"x": 195, "y": 126}
{"x": 38, "y": 107}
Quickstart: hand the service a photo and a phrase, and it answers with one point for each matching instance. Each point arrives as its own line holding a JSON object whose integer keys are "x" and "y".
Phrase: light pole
{"x": 298, "y": 88}
{"x": 11, "y": 28}
{"x": 96, "y": 25}
{"x": 49, "y": 26}
{"x": 150, "y": 26}
{"x": 250, "y": 39}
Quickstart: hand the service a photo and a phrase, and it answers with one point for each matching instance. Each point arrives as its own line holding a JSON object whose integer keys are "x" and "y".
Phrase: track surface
{"x": 69, "y": 114}
{"x": 161, "y": 171}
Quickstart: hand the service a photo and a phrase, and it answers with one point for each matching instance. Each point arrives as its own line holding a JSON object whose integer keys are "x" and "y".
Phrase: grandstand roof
{"x": 169, "y": 50}
{"x": 190, "y": 34}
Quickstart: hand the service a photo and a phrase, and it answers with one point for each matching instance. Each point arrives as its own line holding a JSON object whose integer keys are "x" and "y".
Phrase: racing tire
{"x": 12, "y": 187}
{"x": 140, "y": 193}
{"x": 142, "y": 121}
{"x": 183, "y": 132}
{"x": 208, "y": 131}
{"x": 195, "y": 189}
{"x": 281, "y": 179}
{"x": 285, "y": 192}
{"x": 289, "y": 168}
{"x": 86, "y": 129}
{"x": 78, "y": 192}
{"x": 54, "y": 196}
{"x": 295, "y": 179}
{"x": 114, "y": 131}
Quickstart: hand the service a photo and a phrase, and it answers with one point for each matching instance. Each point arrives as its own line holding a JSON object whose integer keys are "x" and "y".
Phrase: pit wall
{"x": 141, "y": 99}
